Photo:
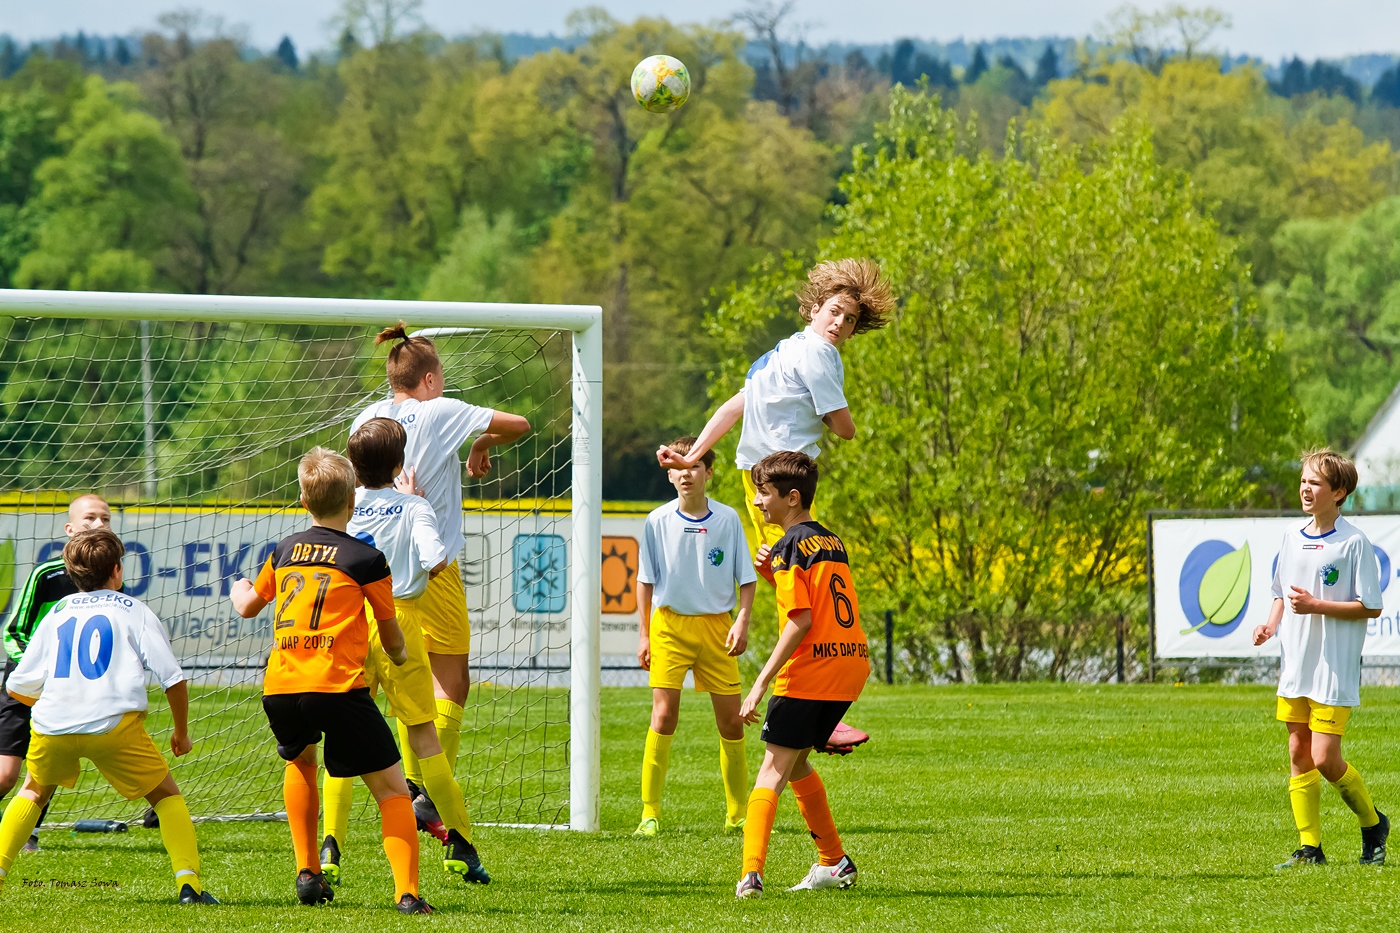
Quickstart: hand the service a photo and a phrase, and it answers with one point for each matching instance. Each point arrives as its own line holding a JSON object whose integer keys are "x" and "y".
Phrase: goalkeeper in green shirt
{"x": 47, "y": 584}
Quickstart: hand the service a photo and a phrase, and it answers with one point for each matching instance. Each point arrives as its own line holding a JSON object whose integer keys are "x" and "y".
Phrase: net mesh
{"x": 192, "y": 431}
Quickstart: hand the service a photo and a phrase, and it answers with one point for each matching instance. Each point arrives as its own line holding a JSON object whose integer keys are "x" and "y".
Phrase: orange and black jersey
{"x": 318, "y": 581}
{"x": 811, "y": 571}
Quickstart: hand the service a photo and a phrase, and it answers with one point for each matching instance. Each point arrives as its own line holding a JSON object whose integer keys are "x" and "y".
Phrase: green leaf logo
{"x": 1225, "y": 587}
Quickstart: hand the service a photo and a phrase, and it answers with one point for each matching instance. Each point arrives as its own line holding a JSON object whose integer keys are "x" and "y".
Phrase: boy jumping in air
{"x": 320, "y": 580}
{"x": 84, "y": 674}
{"x": 818, "y": 668}
{"x": 402, "y": 526}
{"x": 692, "y": 557}
{"x": 1326, "y": 586}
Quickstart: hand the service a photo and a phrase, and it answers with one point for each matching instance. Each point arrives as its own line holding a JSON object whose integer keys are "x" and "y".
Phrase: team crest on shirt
{"x": 716, "y": 556}
{"x": 1330, "y": 573}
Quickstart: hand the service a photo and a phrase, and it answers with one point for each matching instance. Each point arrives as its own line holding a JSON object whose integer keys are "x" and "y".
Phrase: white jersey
{"x": 436, "y": 430}
{"x": 404, "y": 529}
{"x": 786, "y": 393}
{"x": 87, "y": 663}
{"x": 1322, "y": 655}
{"x": 694, "y": 563}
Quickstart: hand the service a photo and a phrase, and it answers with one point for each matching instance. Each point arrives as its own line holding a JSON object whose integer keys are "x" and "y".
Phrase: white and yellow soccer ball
{"x": 661, "y": 83}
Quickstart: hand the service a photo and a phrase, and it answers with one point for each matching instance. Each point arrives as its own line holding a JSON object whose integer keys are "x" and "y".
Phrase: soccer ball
{"x": 661, "y": 83}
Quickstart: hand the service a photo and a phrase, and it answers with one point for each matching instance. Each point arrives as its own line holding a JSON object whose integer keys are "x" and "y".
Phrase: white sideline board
{"x": 1184, "y": 548}
{"x": 181, "y": 562}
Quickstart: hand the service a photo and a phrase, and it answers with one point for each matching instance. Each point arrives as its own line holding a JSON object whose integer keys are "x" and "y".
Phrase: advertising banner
{"x": 1212, "y": 581}
{"x": 182, "y": 563}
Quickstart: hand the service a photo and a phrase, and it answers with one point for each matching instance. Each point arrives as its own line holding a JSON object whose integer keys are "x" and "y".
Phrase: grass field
{"x": 983, "y": 808}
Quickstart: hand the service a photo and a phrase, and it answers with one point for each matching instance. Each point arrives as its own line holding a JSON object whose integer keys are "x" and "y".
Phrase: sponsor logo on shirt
{"x": 696, "y": 531}
{"x": 1312, "y": 547}
{"x": 1330, "y": 573}
{"x": 716, "y": 556}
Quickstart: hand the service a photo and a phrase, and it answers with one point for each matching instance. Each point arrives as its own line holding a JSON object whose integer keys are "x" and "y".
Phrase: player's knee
{"x": 664, "y": 720}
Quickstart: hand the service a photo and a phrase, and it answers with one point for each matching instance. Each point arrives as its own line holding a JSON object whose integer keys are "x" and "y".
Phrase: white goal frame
{"x": 585, "y": 322}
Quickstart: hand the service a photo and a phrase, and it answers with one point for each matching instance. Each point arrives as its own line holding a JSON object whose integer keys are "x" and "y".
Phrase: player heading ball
{"x": 1326, "y": 587}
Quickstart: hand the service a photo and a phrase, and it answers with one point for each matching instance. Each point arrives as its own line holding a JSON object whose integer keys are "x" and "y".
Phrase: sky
{"x": 1270, "y": 29}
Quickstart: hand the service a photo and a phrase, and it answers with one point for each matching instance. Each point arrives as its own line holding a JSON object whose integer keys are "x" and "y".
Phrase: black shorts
{"x": 14, "y": 719}
{"x": 358, "y": 740}
{"x": 795, "y": 723}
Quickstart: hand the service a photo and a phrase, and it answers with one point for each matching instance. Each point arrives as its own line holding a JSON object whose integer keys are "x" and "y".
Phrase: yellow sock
{"x": 337, "y": 795}
{"x": 410, "y": 760}
{"x": 1354, "y": 792}
{"x": 21, "y": 816}
{"x": 655, "y": 757}
{"x": 734, "y": 768}
{"x": 1305, "y": 794}
{"x": 449, "y": 730}
{"x": 446, "y": 793}
{"x": 177, "y": 832}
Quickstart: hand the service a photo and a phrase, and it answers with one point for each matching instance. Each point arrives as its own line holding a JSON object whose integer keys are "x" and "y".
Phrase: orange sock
{"x": 811, "y": 803}
{"x": 763, "y": 808}
{"x": 400, "y": 842}
{"x": 303, "y": 808}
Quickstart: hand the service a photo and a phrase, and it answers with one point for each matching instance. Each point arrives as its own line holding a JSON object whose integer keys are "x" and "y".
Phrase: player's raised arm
{"x": 505, "y": 428}
{"x": 246, "y": 601}
{"x": 724, "y": 418}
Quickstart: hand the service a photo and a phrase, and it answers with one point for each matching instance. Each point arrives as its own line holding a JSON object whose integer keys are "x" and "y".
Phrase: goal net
{"x": 189, "y": 416}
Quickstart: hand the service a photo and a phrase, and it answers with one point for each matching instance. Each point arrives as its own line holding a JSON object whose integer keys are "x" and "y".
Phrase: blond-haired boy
{"x": 1326, "y": 587}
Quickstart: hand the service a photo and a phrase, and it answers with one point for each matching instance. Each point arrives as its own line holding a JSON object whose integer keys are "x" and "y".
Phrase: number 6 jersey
{"x": 87, "y": 663}
{"x": 317, "y": 582}
{"x": 811, "y": 571}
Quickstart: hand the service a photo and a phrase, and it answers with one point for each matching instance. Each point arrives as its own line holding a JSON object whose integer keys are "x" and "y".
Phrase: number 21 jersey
{"x": 811, "y": 571}
{"x": 87, "y": 663}
{"x": 317, "y": 582}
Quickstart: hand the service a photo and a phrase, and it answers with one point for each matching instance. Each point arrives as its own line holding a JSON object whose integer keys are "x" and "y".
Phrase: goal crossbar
{"x": 584, "y": 322}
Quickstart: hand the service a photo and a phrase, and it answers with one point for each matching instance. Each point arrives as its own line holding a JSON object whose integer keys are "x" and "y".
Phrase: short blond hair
{"x": 1338, "y": 470}
{"x": 327, "y": 482}
{"x": 860, "y": 279}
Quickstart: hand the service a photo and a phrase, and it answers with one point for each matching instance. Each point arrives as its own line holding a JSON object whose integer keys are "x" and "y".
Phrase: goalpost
{"x": 189, "y": 413}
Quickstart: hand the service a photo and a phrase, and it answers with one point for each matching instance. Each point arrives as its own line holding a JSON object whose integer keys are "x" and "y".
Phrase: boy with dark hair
{"x": 321, "y": 580}
{"x": 84, "y": 673}
{"x": 689, "y": 565}
{"x": 818, "y": 668}
{"x": 401, "y": 526}
{"x": 1326, "y": 588}
{"x": 47, "y": 584}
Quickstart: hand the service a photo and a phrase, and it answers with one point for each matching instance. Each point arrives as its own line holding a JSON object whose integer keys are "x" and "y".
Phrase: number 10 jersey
{"x": 317, "y": 582}
{"x": 87, "y": 663}
{"x": 811, "y": 571}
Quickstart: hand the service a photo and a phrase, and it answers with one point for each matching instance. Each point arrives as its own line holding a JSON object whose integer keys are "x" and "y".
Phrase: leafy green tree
{"x": 1336, "y": 305}
{"x": 977, "y": 67}
{"x": 113, "y": 203}
{"x": 485, "y": 261}
{"x": 1075, "y": 344}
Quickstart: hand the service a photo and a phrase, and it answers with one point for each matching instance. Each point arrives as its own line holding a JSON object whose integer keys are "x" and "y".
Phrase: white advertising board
{"x": 181, "y": 562}
{"x": 1205, "y": 613}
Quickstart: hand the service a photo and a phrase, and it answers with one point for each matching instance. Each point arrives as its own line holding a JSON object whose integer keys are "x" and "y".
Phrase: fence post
{"x": 889, "y": 646}
{"x": 1120, "y": 647}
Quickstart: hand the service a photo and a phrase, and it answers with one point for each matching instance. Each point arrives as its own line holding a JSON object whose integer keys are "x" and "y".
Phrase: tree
{"x": 1327, "y": 78}
{"x": 287, "y": 53}
{"x": 1152, "y": 39}
{"x": 1075, "y": 344}
{"x": 1387, "y": 88}
{"x": 1047, "y": 67}
{"x": 113, "y": 203}
{"x": 1294, "y": 80}
{"x": 977, "y": 67}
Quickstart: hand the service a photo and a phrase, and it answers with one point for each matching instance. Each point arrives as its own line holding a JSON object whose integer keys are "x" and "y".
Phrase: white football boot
{"x": 840, "y": 875}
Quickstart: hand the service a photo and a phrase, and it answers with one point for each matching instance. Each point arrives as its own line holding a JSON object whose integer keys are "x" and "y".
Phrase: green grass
{"x": 984, "y": 808}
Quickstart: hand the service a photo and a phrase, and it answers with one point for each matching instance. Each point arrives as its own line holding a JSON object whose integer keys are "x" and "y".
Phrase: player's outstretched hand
{"x": 180, "y": 744}
{"x": 479, "y": 461}
{"x": 670, "y": 460}
{"x": 748, "y": 712}
{"x": 1261, "y": 634}
{"x": 407, "y": 482}
{"x": 737, "y": 641}
{"x": 644, "y": 652}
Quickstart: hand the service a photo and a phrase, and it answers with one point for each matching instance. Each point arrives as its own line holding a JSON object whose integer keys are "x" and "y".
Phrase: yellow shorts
{"x": 1331, "y": 720}
{"x": 126, "y": 756}
{"x": 681, "y": 643}
{"x": 757, "y": 530}
{"x": 443, "y": 614}
{"x": 409, "y": 687}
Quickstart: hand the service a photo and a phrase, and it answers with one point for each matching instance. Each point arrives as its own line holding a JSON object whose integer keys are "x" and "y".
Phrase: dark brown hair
{"x": 91, "y": 557}
{"x": 376, "y": 450}
{"x": 1339, "y": 472}
{"x": 410, "y": 359}
{"x": 787, "y": 470}
{"x": 683, "y": 445}
{"x": 327, "y": 482}
{"x": 860, "y": 279}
